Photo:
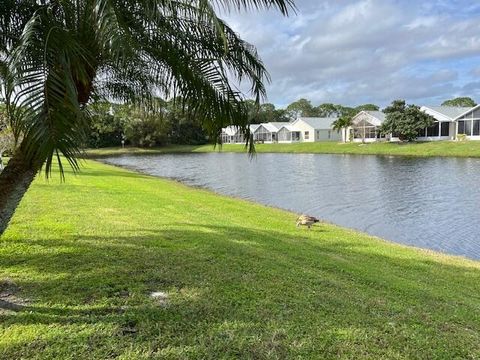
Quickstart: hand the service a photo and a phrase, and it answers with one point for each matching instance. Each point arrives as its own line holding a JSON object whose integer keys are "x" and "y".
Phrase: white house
{"x": 288, "y": 134}
{"x": 449, "y": 121}
{"x": 468, "y": 123}
{"x": 267, "y": 132}
{"x": 445, "y": 126}
{"x": 366, "y": 126}
{"x": 308, "y": 129}
{"x": 316, "y": 129}
{"x": 461, "y": 121}
{"x": 232, "y": 135}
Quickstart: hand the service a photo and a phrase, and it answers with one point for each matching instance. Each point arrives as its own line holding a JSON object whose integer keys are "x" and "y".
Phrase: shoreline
{"x": 293, "y": 213}
{"x": 467, "y": 149}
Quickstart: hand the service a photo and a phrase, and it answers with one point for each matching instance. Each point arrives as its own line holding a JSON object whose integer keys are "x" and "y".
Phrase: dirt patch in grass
{"x": 9, "y": 298}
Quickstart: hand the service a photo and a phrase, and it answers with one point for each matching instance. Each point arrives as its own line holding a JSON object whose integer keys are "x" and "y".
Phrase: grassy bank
{"x": 239, "y": 280}
{"x": 436, "y": 148}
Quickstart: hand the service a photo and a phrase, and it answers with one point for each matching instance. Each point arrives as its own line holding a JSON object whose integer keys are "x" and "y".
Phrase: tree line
{"x": 173, "y": 123}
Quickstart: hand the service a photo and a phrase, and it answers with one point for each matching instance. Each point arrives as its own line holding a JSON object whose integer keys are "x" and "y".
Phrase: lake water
{"x": 426, "y": 202}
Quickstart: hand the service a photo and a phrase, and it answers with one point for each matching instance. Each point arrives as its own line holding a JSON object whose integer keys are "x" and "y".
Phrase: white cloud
{"x": 372, "y": 50}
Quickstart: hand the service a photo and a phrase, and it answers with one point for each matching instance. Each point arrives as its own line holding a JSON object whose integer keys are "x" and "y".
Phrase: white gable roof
{"x": 272, "y": 126}
{"x": 289, "y": 127}
{"x": 375, "y": 118}
{"x": 231, "y": 130}
{"x": 317, "y": 122}
{"x": 254, "y": 127}
{"x": 445, "y": 113}
{"x": 278, "y": 125}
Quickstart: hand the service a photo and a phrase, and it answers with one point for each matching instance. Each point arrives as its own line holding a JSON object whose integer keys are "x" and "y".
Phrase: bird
{"x": 306, "y": 220}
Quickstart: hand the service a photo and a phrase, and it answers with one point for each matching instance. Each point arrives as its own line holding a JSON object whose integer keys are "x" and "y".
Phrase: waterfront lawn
{"x": 433, "y": 148}
{"x": 241, "y": 281}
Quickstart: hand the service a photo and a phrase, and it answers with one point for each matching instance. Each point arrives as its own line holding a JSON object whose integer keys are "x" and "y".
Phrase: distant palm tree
{"x": 58, "y": 55}
{"x": 342, "y": 124}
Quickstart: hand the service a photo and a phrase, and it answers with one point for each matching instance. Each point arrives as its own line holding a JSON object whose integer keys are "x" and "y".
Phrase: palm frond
{"x": 61, "y": 53}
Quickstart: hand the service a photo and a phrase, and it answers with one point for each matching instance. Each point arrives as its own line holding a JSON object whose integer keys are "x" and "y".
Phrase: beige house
{"x": 316, "y": 129}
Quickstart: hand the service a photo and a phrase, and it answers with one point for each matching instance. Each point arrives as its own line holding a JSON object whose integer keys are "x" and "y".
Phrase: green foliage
{"x": 265, "y": 113}
{"x": 303, "y": 107}
{"x": 367, "y": 107}
{"x": 62, "y": 54}
{"x": 105, "y": 127}
{"x": 328, "y": 110}
{"x": 167, "y": 123}
{"x": 342, "y": 122}
{"x": 146, "y": 131}
{"x": 300, "y": 108}
{"x": 405, "y": 121}
{"x": 460, "y": 101}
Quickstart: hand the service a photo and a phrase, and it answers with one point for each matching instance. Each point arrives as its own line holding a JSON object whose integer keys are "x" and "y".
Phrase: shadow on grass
{"x": 298, "y": 281}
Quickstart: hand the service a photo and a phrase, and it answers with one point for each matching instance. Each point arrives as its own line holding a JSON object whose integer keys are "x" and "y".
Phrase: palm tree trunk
{"x": 15, "y": 180}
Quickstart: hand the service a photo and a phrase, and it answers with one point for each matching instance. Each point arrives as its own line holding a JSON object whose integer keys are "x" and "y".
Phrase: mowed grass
{"x": 433, "y": 148}
{"x": 241, "y": 280}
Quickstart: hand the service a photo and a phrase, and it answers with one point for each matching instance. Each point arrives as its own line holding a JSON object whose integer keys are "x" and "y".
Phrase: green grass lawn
{"x": 82, "y": 257}
{"x": 434, "y": 148}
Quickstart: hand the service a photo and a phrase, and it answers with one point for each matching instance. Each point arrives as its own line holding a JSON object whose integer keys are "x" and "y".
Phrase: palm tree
{"x": 56, "y": 56}
{"x": 342, "y": 124}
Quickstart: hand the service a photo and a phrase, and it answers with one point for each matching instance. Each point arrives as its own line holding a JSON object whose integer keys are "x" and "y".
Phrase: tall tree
{"x": 7, "y": 140}
{"x": 367, "y": 107}
{"x": 460, "y": 101}
{"x": 342, "y": 124}
{"x": 299, "y": 108}
{"x": 405, "y": 121}
{"x": 328, "y": 110}
{"x": 57, "y": 56}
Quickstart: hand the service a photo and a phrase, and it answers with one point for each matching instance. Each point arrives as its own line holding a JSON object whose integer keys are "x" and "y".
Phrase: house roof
{"x": 289, "y": 127}
{"x": 445, "y": 113}
{"x": 231, "y": 130}
{"x": 273, "y": 126}
{"x": 318, "y": 122}
{"x": 380, "y": 115}
{"x": 375, "y": 118}
{"x": 254, "y": 127}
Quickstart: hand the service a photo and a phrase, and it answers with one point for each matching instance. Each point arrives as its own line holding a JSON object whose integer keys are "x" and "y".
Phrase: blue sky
{"x": 354, "y": 52}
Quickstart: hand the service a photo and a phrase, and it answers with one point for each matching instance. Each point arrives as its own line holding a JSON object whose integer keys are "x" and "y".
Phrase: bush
{"x": 405, "y": 121}
{"x": 146, "y": 132}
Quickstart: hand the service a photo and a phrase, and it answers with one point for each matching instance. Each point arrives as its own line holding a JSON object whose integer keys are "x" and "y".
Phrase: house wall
{"x": 316, "y": 134}
{"x": 453, "y": 130}
{"x": 303, "y": 127}
{"x": 327, "y": 135}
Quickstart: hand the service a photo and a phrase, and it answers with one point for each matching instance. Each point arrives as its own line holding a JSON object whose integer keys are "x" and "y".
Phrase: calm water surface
{"x": 427, "y": 202}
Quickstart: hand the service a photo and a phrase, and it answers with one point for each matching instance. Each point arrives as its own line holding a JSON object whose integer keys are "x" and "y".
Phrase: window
{"x": 445, "y": 129}
{"x": 461, "y": 127}
{"x": 476, "y": 127}
{"x": 468, "y": 127}
{"x": 421, "y": 132}
{"x": 307, "y": 135}
{"x": 370, "y": 133}
{"x": 433, "y": 130}
{"x": 318, "y": 134}
{"x": 329, "y": 134}
{"x": 362, "y": 132}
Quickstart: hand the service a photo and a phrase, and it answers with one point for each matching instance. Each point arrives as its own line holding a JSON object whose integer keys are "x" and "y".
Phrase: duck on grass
{"x": 306, "y": 220}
